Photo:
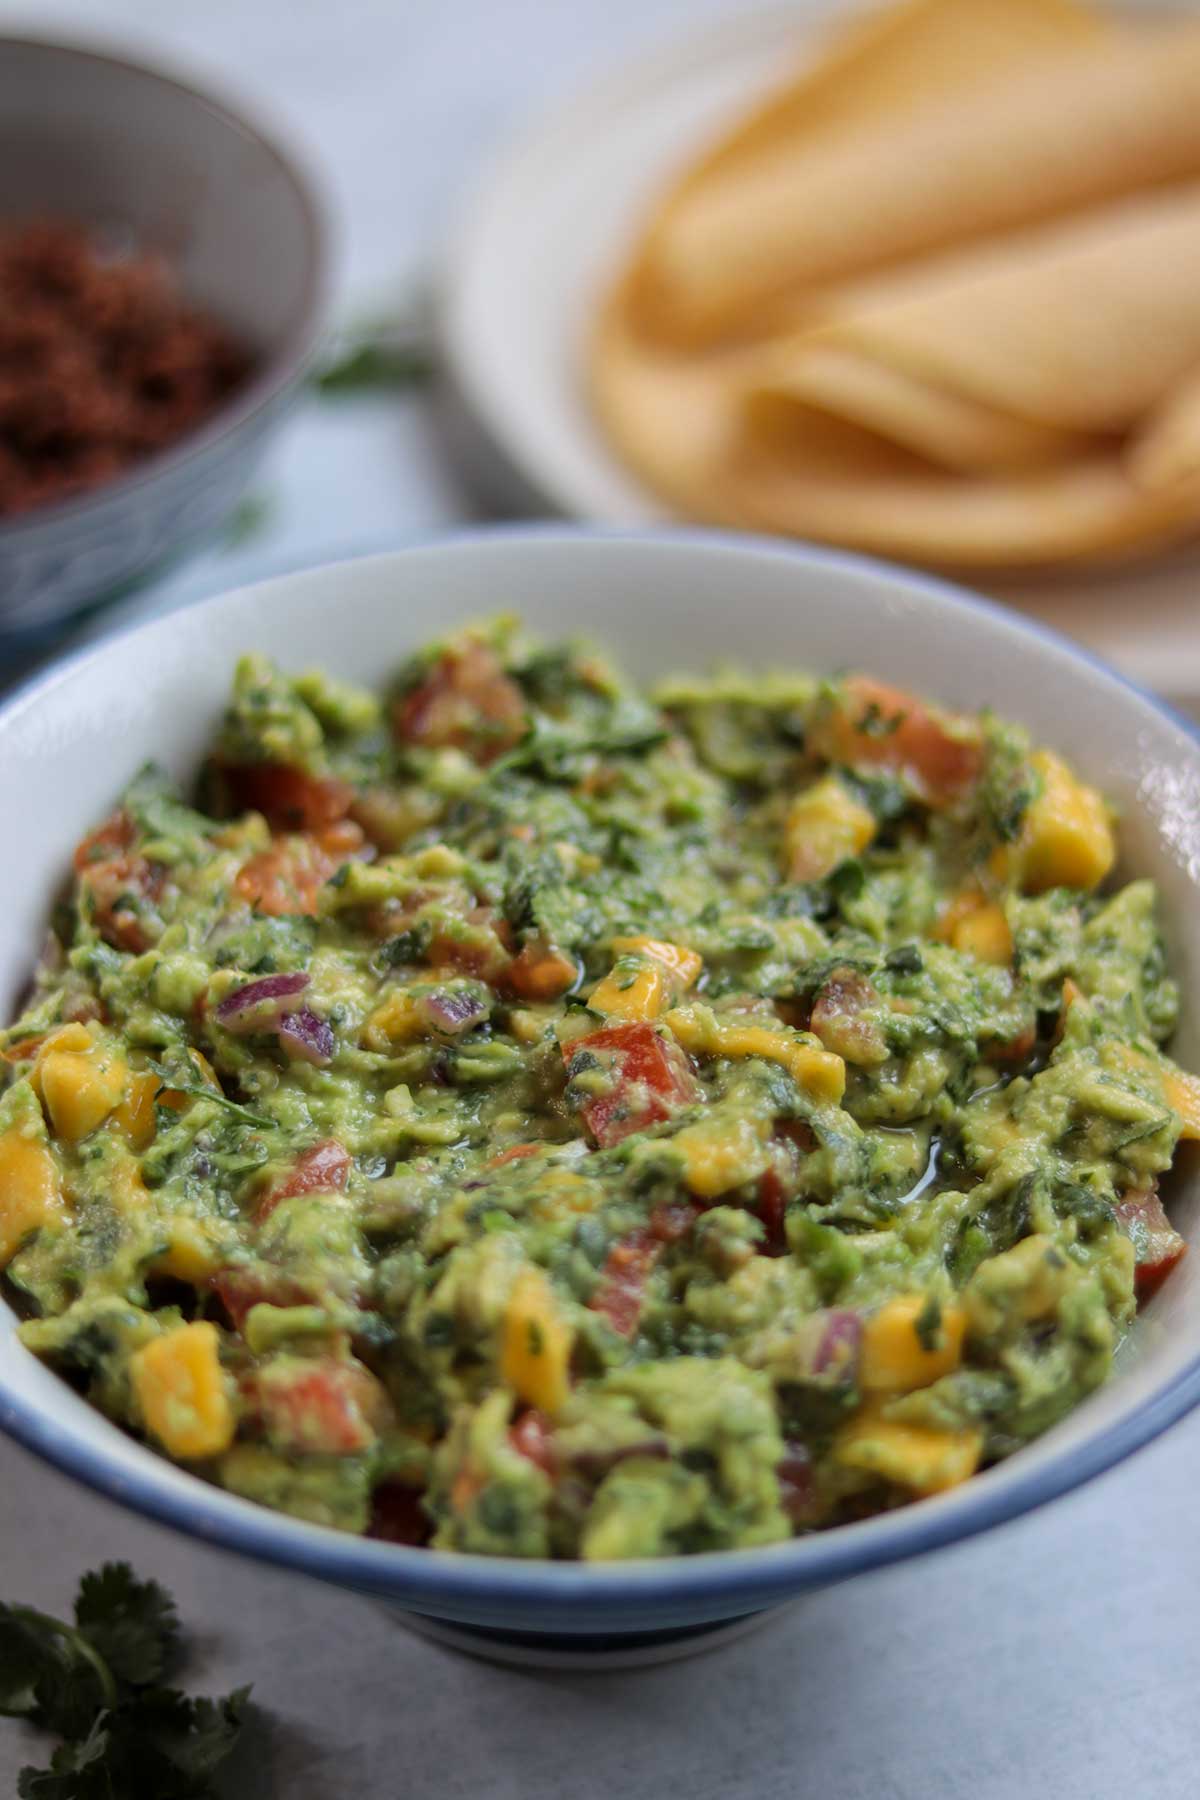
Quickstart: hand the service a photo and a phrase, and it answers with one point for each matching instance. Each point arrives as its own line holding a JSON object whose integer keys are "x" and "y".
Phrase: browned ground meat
{"x": 102, "y": 362}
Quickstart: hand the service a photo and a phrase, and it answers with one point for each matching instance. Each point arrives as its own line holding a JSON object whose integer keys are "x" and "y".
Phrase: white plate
{"x": 551, "y": 225}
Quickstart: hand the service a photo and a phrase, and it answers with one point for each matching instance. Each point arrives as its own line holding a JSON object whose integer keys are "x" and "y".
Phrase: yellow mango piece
{"x": 685, "y": 965}
{"x": 894, "y": 1360}
{"x": 30, "y": 1192}
{"x": 825, "y": 825}
{"x": 535, "y": 1352}
{"x": 80, "y": 1089}
{"x": 190, "y": 1255}
{"x": 913, "y": 1456}
{"x": 984, "y": 934}
{"x": 397, "y": 1021}
{"x": 1066, "y": 839}
{"x": 134, "y": 1117}
{"x": 663, "y": 972}
{"x": 643, "y": 997}
{"x": 722, "y": 1152}
{"x": 1182, "y": 1093}
{"x": 182, "y": 1391}
{"x": 817, "y": 1071}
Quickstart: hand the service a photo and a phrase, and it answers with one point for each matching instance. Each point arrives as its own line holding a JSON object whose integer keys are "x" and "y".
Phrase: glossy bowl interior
{"x": 657, "y": 601}
{"x": 148, "y": 163}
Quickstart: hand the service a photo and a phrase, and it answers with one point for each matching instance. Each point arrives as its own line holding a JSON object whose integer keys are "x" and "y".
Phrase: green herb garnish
{"x": 98, "y": 1685}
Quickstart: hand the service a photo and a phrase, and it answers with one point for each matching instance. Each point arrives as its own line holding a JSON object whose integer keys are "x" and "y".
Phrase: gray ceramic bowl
{"x": 140, "y": 157}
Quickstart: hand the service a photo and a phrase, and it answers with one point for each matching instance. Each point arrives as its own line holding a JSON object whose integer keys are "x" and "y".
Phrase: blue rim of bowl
{"x": 284, "y": 367}
{"x": 478, "y": 1587}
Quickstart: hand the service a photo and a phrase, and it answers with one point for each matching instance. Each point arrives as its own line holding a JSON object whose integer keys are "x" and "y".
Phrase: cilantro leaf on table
{"x": 97, "y": 1684}
{"x": 132, "y": 1624}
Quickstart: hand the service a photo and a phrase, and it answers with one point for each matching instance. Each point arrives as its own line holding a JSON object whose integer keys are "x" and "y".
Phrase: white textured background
{"x": 1059, "y": 1657}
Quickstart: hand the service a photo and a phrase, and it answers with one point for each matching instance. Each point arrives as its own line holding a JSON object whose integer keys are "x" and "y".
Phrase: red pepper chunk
{"x": 529, "y": 1435}
{"x": 121, "y": 883}
{"x": 323, "y": 1169}
{"x": 1155, "y": 1240}
{"x": 289, "y": 799}
{"x": 397, "y": 1515}
{"x": 466, "y": 701}
{"x": 623, "y": 1280}
{"x": 240, "y": 1289}
{"x": 318, "y": 1408}
{"x": 649, "y": 1079}
{"x": 879, "y": 727}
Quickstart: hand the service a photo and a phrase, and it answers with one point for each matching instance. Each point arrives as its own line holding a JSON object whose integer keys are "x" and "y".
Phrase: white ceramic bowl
{"x": 658, "y": 601}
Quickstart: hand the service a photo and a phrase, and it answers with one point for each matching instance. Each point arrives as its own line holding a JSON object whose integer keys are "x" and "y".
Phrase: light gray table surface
{"x": 1057, "y": 1657}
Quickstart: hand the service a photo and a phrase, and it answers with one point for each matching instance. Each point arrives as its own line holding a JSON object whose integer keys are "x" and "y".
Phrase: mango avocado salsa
{"x": 535, "y": 1118}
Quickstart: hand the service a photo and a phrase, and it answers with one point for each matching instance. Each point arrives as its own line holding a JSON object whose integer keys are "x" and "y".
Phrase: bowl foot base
{"x": 607, "y": 1650}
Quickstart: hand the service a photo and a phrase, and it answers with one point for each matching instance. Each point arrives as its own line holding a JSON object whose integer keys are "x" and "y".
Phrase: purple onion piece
{"x": 797, "y": 1487}
{"x": 305, "y": 1036}
{"x": 261, "y": 1005}
{"x": 454, "y": 1011}
{"x": 597, "y": 1463}
{"x": 836, "y": 1355}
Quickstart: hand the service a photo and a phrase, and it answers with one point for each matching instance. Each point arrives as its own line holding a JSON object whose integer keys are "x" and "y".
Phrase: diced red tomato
{"x": 288, "y": 877}
{"x": 880, "y": 727}
{"x": 397, "y": 1515}
{"x": 540, "y": 972}
{"x": 318, "y": 1407}
{"x": 671, "y": 1221}
{"x": 240, "y": 1289}
{"x": 772, "y": 1208}
{"x": 623, "y": 1280}
{"x": 481, "y": 945}
{"x": 514, "y": 1153}
{"x": 466, "y": 701}
{"x": 323, "y": 1169}
{"x": 1014, "y": 1049}
{"x": 122, "y": 884}
{"x": 530, "y": 1435}
{"x": 650, "y": 1078}
{"x": 1157, "y": 1243}
{"x": 841, "y": 1018}
{"x": 289, "y": 799}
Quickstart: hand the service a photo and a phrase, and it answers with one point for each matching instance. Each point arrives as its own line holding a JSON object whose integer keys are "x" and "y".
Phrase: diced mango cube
{"x": 817, "y": 1071}
{"x": 913, "y": 1456}
{"x": 30, "y": 1192}
{"x": 1182, "y": 1093}
{"x": 825, "y": 825}
{"x": 135, "y": 1114}
{"x": 640, "y": 996}
{"x": 650, "y": 976}
{"x": 80, "y": 1089}
{"x": 685, "y": 965}
{"x": 1066, "y": 839}
{"x": 908, "y": 1343}
{"x": 984, "y": 934}
{"x": 190, "y": 1254}
{"x": 722, "y": 1152}
{"x": 397, "y": 1021}
{"x": 535, "y": 1352}
{"x": 182, "y": 1391}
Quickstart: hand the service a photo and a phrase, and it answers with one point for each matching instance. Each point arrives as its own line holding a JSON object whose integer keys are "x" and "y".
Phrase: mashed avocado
{"x": 538, "y": 1119}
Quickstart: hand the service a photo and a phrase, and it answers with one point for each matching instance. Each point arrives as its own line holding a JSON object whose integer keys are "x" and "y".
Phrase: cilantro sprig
{"x": 98, "y": 1683}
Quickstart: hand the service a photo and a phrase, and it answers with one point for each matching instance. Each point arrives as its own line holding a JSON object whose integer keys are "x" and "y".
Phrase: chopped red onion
{"x": 797, "y": 1488}
{"x": 454, "y": 1010}
{"x": 836, "y": 1355}
{"x": 597, "y": 1463}
{"x": 261, "y": 1005}
{"x": 305, "y": 1036}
